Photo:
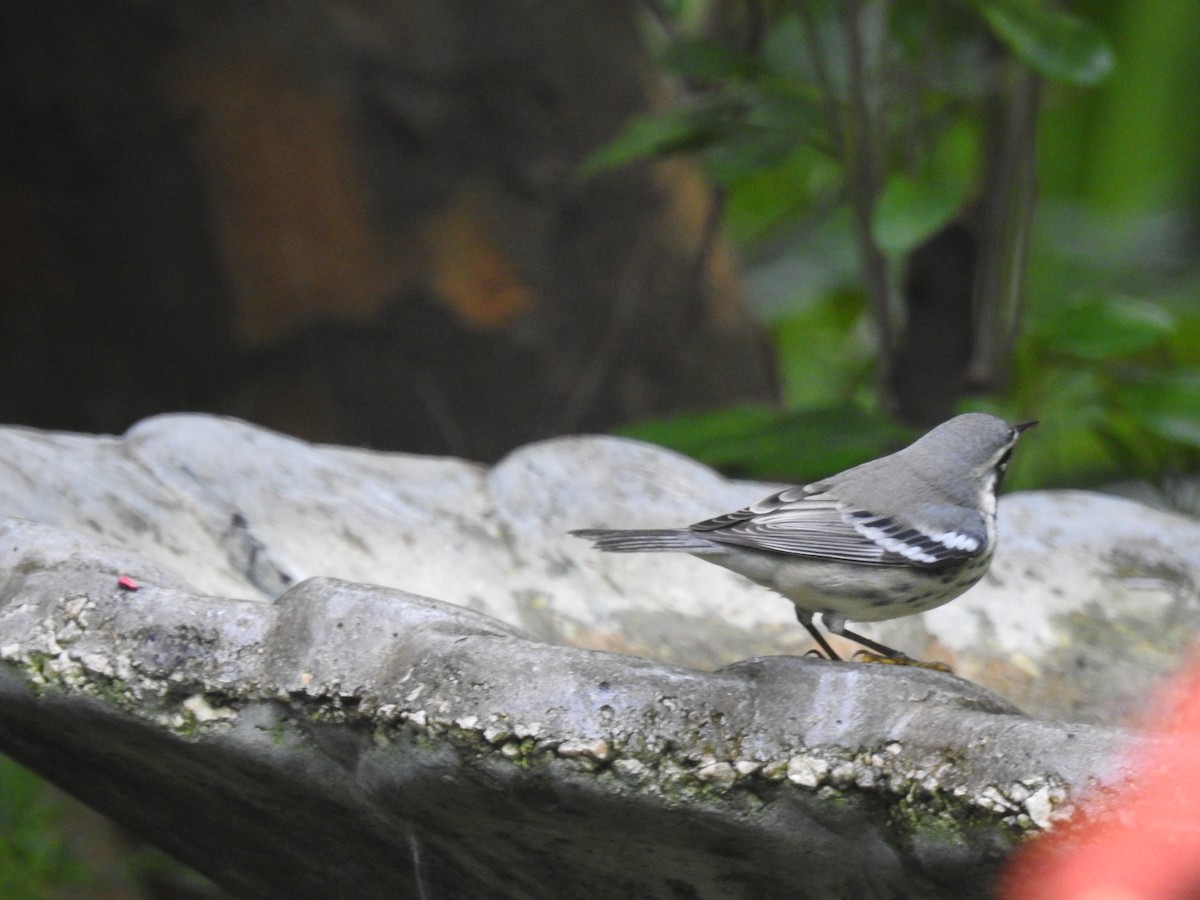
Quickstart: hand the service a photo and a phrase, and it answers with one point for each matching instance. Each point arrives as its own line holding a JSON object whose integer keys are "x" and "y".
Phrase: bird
{"x": 892, "y": 537}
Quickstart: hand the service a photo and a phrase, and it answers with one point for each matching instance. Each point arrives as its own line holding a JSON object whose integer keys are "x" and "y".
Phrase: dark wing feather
{"x": 811, "y": 521}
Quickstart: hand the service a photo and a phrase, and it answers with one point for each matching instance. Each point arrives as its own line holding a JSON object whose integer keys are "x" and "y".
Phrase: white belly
{"x": 860, "y": 593}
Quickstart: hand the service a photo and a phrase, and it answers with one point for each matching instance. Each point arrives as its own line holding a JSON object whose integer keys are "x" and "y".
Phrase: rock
{"x": 259, "y": 712}
{"x": 1089, "y": 603}
{"x": 407, "y": 747}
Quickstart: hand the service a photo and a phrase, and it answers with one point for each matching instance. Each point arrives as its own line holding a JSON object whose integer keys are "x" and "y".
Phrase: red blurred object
{"x": 1139, "y": 844}
{"x": 127, "y": 583}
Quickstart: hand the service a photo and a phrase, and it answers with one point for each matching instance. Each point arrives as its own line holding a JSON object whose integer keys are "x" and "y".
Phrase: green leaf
{"x": 764, "y": 443}
{"x": 1185, "y": 338}
{"x": 786, "y": 49}
{"x": 1166, "y": 405}
{"x": 672, "y": 131}
{"x": 762, "y": 200}
{"x": 822, "y": 356}
{"x": 910, "y": 211}
{"x": 1104, "y": 328}
{"x": 770, "y": 121}
{"x": 709, "y": 60}
{"x": 1051, "y": 41}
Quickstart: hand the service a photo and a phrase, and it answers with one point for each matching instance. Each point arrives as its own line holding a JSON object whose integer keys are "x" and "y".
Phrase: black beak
{"x": 1025, "y": 426}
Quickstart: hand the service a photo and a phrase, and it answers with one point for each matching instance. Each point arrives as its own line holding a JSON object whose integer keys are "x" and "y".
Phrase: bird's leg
{"x": 878, "y": 653}
{"x": 805, "y": 618}
{"x": 881, "y": 649}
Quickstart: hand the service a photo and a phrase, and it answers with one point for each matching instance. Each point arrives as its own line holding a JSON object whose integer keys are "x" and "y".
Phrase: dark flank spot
{"x": 904, "y": 587}
{"x": 948, "y": 579}
{"x": 921, "y": 598}
{"x": 879, "y": 602}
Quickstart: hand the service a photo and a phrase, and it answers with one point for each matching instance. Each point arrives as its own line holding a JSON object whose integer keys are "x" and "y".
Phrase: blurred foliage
{"x": 35, "y": 858}
{"x": 1109, "y": 358}
{"x": 54, "y": 848}
{"x": 758, "y": 443}
{"x": 1049, "y": 40}
{"x": 1107, "y": 347}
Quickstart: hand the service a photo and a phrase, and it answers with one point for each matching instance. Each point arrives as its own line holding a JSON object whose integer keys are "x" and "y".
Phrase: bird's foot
{"x": 900, "y": 660}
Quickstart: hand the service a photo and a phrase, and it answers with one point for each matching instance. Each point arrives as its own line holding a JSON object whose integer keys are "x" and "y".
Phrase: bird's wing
{"x": 811, "y": 521}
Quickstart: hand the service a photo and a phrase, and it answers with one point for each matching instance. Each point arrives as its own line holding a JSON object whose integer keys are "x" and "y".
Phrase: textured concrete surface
{"x": 384, "y": 744}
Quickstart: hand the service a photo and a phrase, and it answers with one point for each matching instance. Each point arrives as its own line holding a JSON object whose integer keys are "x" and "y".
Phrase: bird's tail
{"x": 681, "y": 540}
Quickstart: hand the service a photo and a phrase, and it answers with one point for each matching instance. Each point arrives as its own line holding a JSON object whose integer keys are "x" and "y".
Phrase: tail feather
{"x": 680, "y": 540}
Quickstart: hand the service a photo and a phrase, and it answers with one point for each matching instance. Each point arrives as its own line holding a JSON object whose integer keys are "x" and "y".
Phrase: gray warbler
{"x": 892, "y": 537}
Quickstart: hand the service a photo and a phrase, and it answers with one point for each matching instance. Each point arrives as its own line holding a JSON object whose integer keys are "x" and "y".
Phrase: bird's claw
{"x": 900, "y": 660}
